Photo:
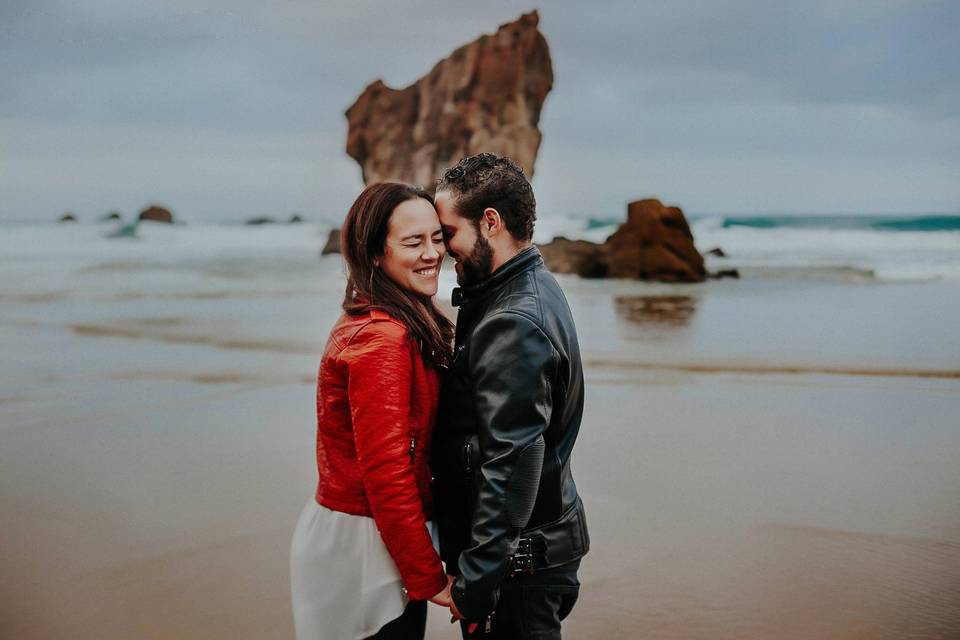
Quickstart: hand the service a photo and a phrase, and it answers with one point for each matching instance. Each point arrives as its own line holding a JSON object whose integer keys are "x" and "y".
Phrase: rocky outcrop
{"x": 67, "y": 217}
{"x": 586, "y": 259}
{"x": 156, "y": 214}
{"x": 295, "y": 219}
{"x": 486, "y": 96}
{"x": 655, "y": 243}
{"x": 333, "y": 243}
{"x": 260, "y": 220}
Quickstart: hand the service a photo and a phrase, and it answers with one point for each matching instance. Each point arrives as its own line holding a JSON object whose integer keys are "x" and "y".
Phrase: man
{"x": 512, "y": 527}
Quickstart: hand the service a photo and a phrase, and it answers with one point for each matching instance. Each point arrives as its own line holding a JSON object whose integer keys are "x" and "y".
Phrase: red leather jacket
{"x": 376, "y": 405}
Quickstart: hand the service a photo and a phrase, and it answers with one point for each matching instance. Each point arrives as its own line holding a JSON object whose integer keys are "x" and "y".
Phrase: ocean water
{"x": 885, "y": 248}
{"x": 827, "y": 293}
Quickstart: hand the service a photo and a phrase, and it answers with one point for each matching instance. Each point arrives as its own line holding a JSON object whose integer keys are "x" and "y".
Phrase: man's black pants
{"x": 531, "y": 606}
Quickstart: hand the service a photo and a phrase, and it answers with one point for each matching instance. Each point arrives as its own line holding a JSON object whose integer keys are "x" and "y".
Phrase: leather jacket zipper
{"x": 468, "y": 469}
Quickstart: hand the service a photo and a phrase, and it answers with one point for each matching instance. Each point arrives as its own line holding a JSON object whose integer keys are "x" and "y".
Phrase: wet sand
{"x": 748, "y": 472}
{"x": 712, "y": 514}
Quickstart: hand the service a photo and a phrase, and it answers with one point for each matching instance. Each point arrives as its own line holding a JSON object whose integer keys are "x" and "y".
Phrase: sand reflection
{"x": 657, "y": 311}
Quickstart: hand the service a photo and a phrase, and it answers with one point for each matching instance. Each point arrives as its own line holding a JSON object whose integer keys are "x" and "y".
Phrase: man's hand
{"x": 443, "y": 598}
{"x": 456, "y": 615}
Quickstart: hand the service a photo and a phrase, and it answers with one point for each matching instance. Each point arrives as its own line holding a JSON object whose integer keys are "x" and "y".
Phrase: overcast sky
{"x": 226, "y": 109}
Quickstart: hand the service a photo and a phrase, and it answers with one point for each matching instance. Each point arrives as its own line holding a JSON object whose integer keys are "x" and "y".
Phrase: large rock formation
{"x": 655, "y": 243}
{"x": 486, "y": 96}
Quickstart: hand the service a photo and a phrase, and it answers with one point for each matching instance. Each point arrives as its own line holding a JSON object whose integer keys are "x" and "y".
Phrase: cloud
{"x": 684, "y": 85}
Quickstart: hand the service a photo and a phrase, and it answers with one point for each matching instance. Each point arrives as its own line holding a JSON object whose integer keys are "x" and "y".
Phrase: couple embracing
{"x": 425, "y": 447}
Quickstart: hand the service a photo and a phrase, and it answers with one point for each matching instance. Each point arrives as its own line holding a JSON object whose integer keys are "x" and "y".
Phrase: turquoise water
{"x": 932, "y": 223}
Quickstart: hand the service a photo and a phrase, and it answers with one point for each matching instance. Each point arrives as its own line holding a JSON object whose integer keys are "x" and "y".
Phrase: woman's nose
{"x": 431, "y": 252}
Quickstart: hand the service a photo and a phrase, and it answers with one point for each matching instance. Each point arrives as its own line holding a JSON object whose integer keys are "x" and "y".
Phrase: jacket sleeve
{"x": 378, "y": 387}
{"x": 511, "y": 365}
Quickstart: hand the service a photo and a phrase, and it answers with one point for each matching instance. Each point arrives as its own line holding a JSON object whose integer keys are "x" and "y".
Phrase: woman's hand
{"x": 443, "y": 597}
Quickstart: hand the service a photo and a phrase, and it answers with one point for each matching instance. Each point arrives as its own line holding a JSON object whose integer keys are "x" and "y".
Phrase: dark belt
{"x": 552, "y": 544}
{"x": 531, "y": 555}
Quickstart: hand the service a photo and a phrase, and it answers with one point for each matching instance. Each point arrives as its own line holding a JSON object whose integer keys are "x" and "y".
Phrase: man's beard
{"x": 477, "y": 266}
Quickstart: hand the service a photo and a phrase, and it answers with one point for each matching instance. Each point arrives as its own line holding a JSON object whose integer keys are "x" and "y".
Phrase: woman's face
{"x": 414, "y": 247}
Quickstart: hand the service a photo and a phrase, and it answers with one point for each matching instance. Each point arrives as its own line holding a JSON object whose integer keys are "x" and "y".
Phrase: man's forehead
{"x": 445, "y": 208}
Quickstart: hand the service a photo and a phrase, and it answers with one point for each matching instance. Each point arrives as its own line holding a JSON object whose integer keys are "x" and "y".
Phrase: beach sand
{"x": 757, "y": 459}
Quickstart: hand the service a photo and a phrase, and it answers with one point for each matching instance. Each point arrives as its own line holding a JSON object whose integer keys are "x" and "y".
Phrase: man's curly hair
{"x": 488, "y": 180}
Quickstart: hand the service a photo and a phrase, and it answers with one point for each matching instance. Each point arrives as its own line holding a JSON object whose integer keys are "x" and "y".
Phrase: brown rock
{"x": 486, "y": 96}
{"x": 586, "y": 259}
{"x": 655, "y": 243}
{"x": 333, "y": 243}
{"x": 156, "y": 214}
{"x": 724, "y": 273}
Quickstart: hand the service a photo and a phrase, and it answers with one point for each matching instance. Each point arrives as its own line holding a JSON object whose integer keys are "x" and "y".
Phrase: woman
{"x": 362, "y": 561}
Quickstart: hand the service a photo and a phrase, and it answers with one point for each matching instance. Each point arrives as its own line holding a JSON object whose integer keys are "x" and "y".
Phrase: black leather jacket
{"x": 510, "y": 410}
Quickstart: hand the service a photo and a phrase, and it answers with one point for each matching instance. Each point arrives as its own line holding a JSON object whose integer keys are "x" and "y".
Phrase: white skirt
{"x": 344, "y": 584}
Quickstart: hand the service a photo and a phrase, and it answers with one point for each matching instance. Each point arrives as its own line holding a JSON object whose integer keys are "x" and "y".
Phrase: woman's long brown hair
{"x": 362, "y": 241}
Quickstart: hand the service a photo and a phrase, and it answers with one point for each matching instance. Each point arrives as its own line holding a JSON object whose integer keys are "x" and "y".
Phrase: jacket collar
{"x": 520, "y": 263}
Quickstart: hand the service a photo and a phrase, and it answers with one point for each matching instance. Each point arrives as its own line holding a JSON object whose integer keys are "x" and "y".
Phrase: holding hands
{"x": 444, "y": 599}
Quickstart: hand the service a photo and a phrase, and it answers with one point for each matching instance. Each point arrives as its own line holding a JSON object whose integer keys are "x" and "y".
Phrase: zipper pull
{"x": 413, "y": 447}
{"x": 488, "y": 625}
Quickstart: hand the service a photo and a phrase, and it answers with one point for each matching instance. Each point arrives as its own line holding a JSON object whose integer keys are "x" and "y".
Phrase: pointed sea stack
{"x": 486, "y": 96}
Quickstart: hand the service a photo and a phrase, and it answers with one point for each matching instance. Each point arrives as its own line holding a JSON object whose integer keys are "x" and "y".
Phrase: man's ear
{"x": 490, "y": 222}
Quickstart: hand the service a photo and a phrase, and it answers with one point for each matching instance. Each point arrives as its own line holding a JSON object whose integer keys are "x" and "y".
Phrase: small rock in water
{"x": 725, "y": 273}
{"x": 586, "y": 259}
{"x": 333, "y": 243}
{"x": 717, "y": 251}
{"x": 261, "y": 220}
{"x": 295, "y": 218}
{"x": 156, "y": 214}
{"x": 68, "y": 217}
